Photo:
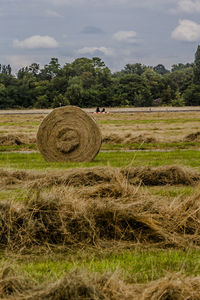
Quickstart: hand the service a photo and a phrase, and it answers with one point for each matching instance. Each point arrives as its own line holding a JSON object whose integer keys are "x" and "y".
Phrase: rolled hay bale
{"x": 69, "y": 134}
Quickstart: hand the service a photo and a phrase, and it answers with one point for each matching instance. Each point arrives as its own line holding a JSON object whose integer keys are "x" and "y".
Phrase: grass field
{"x": 126, "y": 225}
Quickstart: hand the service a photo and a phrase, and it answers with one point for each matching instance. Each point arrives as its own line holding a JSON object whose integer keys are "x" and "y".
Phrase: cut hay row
{"x": 20, "y": 139}
{"x": 82, "y": 285}
{"x": 167, "y": 175}
{"x": 127, "y": 138}
{"x": 16, "y": 139}
{"x": 64, "y": 216}
{"x": 193, "y": 137}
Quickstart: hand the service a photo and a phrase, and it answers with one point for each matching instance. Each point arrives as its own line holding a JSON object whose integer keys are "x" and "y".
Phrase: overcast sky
{"x": 118, "y": 31}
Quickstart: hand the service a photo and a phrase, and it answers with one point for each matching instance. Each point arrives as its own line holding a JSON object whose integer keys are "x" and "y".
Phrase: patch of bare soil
{"x": 83, "y": 285}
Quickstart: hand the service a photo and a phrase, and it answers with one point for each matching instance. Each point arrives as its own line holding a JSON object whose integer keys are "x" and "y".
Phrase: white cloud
{"x": 36, "y": 41}
{"x": 187, "y": 30}
{"x": 91, "y": 50}
{"x": 125, "y": 36}
{"x": 189, "y": 6}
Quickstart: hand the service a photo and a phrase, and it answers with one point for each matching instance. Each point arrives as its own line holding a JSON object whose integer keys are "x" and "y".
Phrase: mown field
{"x": 124, "y": 226}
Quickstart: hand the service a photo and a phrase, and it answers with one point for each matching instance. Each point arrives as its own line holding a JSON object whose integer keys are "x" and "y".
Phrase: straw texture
{"x": 69, "y": 134}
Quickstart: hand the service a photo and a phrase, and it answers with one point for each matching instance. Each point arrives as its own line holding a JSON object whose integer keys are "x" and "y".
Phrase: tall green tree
{"x": 192, "y": 95}
{"x": 51, "y": 70}
{"x": 181, "y": 79}
{"x": 196, "y": 67}
{"x": 154, "y": 82}
{"x": 132, "y": 89}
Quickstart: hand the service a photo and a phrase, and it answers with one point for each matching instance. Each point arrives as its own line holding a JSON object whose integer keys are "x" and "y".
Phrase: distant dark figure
{"x": 103, "y": 110}
{"x": 97, "y": 110}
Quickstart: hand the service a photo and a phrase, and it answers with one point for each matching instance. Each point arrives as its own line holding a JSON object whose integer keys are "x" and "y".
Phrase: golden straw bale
{"x": 68, "y": 134}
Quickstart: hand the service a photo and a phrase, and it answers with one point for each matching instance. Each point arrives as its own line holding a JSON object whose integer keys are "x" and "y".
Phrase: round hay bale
{"x": 68, "y": 134}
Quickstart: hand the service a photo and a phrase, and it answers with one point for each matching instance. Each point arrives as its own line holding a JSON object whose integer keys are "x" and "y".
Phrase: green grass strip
{"x": 135, "y": 265}
{"x": 190, "y": 158}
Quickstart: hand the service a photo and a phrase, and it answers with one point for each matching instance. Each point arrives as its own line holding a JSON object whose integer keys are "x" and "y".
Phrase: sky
{"x": 149, "y": 32}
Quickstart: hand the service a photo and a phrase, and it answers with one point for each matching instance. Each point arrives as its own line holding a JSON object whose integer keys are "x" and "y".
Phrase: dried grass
{"x": 173, "y": 287}
{"x": 63, "y": 216}
{"x": 168, "y": 175}
{"x": 193, "y": 137}
{"x": 15, "y": 139}
{"x": 18, "y": 177}
{"x": 69, "y": 134}
{"x": 128, "y": 138}
{"x": 12, "y": 284}
{"x": 12, "y": 139}
{"x": 83, "y": 285}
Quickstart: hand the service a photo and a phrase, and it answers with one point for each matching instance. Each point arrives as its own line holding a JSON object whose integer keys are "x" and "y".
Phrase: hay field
{"x": 166, "y": 130}
{"x": 125, "y": 226}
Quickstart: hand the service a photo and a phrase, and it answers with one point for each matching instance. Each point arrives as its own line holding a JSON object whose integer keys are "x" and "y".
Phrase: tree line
{"x": 89, "y": 83}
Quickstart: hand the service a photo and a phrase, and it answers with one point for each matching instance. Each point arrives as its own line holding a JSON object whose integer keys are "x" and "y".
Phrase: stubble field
{"x": 125, "y": 226}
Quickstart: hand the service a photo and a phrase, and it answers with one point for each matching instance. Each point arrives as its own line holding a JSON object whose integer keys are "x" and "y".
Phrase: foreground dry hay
{"x": 96, "y": 206}
{"x": 81, "y": 285}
